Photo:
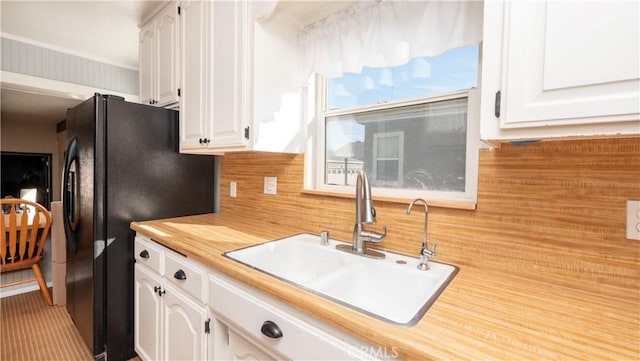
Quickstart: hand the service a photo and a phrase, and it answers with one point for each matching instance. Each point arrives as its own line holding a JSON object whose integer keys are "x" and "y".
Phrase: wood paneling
{"x": 545, "y": 269}
{"x": 482, "y": 314}
{"x": 550, "y": 211}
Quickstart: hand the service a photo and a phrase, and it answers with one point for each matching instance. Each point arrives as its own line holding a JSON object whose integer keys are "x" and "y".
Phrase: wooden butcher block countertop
{"x": 480, "y": 316}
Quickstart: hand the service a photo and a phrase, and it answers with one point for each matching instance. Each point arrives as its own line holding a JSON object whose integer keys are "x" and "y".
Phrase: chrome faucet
{"x": 425, "y": 253}
{"x": 365, "y": 214}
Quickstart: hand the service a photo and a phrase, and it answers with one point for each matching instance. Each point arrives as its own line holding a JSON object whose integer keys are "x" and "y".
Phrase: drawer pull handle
{"x": 270, "y": 329}
{"x": 180, "y": 275}
{"x": 144, "y": 254}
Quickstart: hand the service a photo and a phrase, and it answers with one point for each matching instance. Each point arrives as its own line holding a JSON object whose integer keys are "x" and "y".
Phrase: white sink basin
{"x": 392, "y": 289}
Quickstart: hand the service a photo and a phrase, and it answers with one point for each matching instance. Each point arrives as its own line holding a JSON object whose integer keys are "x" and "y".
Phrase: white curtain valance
{"x": 387, "y": 33}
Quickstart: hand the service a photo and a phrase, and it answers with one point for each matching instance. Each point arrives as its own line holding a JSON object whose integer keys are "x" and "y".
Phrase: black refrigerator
{"x": 121, "y": 164}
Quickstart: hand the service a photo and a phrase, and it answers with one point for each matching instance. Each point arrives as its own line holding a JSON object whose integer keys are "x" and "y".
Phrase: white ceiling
{"x": 101, "y": 30}
{"x": 106, "y": 30}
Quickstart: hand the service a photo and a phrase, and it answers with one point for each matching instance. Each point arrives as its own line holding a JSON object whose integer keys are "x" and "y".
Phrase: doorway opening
{"x": 26, "y": 175}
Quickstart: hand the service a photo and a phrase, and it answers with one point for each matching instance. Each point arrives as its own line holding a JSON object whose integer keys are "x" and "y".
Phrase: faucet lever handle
{"x": 373, "y": 236}
{"x": 425, "y": 254}
{"x": 429, "y": 253}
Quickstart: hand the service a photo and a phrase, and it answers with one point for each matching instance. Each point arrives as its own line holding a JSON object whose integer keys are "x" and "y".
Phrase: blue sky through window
{"x": 453, "y": 70}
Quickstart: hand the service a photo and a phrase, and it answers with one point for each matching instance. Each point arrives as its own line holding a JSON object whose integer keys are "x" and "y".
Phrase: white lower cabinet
{"x": 148, "y": 308}
{"x": 184, "y": 327}
{"x": 170, "y": 323}
{"x": 185, "y": 311}
{"x": 229, "y": 344}
{"x": 242, "y": 349}
{"x": 256, "y": 327}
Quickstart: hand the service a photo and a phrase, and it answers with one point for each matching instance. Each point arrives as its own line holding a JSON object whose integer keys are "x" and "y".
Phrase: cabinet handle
{"x": 200, "y": 140}
{"x": 157, "y": 289}
{"x": 270, "y": 329}
{"x": 161, "y": 292}
{"x": 180, "y": 275}
{"x": 144, "y": 254}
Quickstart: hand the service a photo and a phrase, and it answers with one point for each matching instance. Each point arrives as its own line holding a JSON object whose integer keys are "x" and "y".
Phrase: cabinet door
{"x": 195, "y": 98}
{"x": 229, "y": 62}
{"x": 147, "y": 37}
{"x": 184, "y": 336}
{"x": 570, "y": 62}
{"x": 147, "y": 313}
{"x": 241, "y": 349}
{"x": 218, "y": 347}
{"x": 167, "y": 52}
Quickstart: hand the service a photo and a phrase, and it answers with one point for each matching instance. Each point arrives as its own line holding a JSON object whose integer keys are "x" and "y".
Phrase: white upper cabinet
{"x": 213, "y": 76}
{"x": 237, "y": 73}
{"x": 147, "y": 60}
{"x": 159, "y": 58}
{"x": 230, "y": 74}
{"x": 231, "y": 67}
{"x": 563, "y": 69}
{"x": 195, "y": 54}
{"x": 167, "y": 54}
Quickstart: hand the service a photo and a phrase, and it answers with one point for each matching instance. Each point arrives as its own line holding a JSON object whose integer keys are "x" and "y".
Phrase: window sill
{"x": 431, "y": 203}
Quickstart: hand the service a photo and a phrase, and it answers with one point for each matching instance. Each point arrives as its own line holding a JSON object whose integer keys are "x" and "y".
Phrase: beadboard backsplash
{"x": 551, "y": 211}
{"x": 29, "y": 59}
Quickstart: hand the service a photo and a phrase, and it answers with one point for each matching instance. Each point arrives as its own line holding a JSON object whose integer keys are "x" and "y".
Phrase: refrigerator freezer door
{"x": 85, "y": 269}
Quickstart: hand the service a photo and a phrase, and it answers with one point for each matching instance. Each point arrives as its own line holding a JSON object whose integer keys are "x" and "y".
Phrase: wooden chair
{"x": 23, "y": 233}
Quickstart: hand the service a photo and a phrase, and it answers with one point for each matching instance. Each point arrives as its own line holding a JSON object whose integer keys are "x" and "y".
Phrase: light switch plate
{"x": 270, "y": 185}
{"x": 232, "y": 191}
{"x": 633, "y": 219}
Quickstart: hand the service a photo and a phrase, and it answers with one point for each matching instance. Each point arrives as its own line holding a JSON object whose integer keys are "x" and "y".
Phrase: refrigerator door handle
{"x": 70, "y": 192}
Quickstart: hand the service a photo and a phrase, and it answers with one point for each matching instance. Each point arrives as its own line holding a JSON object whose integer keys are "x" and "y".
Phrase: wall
{"x": 33, "y": 137}
{"x": 552, "y": 211}
{"x": 41, "y": 62}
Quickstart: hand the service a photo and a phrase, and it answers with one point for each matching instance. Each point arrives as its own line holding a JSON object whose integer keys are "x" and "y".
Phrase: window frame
{"x": 316, "y": 155}
{"x": 400, "y": 158}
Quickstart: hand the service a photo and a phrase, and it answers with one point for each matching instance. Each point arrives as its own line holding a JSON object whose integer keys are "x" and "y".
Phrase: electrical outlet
{"x": 232, "y": 191}
{"x": 270, "y": 185}
{"x": 633, "y": 219}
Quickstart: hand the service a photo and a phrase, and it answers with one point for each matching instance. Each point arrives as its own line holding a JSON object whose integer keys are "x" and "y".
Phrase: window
{"x": 411, "y": 128}
{"x": 388, "y": 160}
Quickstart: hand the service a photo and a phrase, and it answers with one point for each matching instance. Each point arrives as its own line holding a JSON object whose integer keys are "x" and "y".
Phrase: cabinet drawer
{"x": 241, "y": 347}
{"x": 186, "y": 275}
{"x": 300, "y": 340}
{"x": 149, "y": 254}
